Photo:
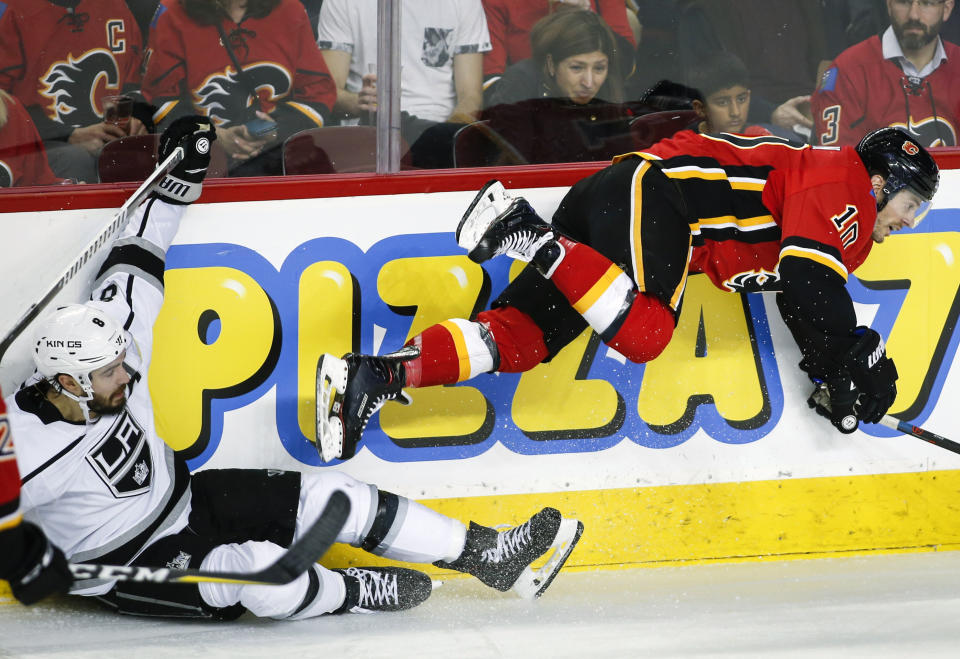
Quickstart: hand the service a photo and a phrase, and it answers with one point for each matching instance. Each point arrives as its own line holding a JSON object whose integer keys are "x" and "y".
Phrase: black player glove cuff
{"x": 42, "y": 569}
{"x": 836, "y": 400}
{"x": 873, "y": 373}
{"x": 184, "y": 182}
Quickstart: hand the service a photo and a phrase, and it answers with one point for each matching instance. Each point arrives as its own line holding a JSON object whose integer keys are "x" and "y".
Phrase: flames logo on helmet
{"x": 910, "y": 148}
{"x": 225, "y": 98}
{"x": 71, "y": 86}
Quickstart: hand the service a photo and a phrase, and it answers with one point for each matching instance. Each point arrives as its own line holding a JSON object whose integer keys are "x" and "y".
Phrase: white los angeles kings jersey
{"x": 102, "y": 492}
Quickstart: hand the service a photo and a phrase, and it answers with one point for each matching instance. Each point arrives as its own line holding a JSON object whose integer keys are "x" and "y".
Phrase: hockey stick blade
{"x": 920, "y": 433}
{"x": 104, "y": 238}
{"x": 301, "y": 555}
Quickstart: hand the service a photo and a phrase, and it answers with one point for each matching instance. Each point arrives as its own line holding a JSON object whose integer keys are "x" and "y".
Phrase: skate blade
{"x": 481, "y": 213}
{"x": 532, "y": 583}
{"x": 331, "y": 383}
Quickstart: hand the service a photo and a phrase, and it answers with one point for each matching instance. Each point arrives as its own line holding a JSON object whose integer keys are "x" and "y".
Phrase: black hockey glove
{"x": 873, "y": 373}
{"x": 836, "y": 400}
{"x": 196, "y": 135}
{"x": 37, "y": 567}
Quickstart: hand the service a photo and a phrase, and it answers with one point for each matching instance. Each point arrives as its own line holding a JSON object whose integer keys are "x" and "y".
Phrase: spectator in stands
{"x": 723, "y": 98}
{"x": 61, "y": 59}
{"x": 23, "y": 160}
{"x": 441, "y": 55}
{"x": 510, "y": 23}
{"x": 781, "y": 42}
{"x": 252, "y": 66}
{"x": 908, "y": 78}
{"x": 565, "y": 103}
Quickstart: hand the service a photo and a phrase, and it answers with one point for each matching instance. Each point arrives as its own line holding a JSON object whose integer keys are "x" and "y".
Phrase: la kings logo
{"x": 225, "y": 98}
{"x": 71, "y": 86}
{"x": 122, "y": 458}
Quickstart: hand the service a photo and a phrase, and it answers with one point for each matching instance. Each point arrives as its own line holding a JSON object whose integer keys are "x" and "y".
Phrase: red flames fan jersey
{"x": 510, "y": 22}
{"x": 862, "y": 91}
{"x": 754, "y": 200}
{"x": 65, "y": 62}
{"x": 23, "y": 160}
{"x": 187, "y": 62}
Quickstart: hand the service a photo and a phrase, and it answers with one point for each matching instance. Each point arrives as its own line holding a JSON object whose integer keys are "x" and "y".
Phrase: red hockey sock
{"x": 438, "y": 362}
{"x": 580, "y": 270}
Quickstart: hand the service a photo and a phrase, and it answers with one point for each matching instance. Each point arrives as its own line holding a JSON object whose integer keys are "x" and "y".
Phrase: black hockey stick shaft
{"x": 298, "y": 558}
{"x": 920, "y": 433}
{"x": 102, "y": 239}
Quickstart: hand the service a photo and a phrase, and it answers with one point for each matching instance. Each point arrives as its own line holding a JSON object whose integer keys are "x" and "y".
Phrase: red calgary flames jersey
{"x": 66, "y": 61}
{"x": 188, "y": 63}
{"x": 23, "y": 160}
{"x": 752, "y": 201}
{"x": 862, "y": 91}
{"x": 9, "y": 476}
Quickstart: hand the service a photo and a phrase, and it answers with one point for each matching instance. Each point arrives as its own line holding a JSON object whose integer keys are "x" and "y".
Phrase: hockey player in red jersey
{"x": 61, "y": 58}
{"x": 196, "y": 48}
{"x": 906, "y": 78}
{"x": 754, "y": 214}
{"x": 34, "y": 567}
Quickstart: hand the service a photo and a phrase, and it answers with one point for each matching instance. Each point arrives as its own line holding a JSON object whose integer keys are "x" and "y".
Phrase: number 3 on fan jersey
{"x": 831, "y": 117}
{"x": 847, "y": 225}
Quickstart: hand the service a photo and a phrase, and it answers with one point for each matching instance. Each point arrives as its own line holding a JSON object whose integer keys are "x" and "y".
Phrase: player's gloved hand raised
{"x": 873, "y": 373}
{"x": 41, "y": 571}
{"x": 836, "y": 400}
{"x": 195, "y": 134}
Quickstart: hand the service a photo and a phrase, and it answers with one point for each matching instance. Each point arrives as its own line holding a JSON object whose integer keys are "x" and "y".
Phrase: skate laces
{"x": 523, "y": 243}
{"x": 376, "y": 589}
{"x": 509, "y": 543}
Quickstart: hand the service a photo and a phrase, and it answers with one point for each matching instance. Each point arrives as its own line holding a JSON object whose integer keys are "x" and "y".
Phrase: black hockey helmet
{"x": 896, "y": 156}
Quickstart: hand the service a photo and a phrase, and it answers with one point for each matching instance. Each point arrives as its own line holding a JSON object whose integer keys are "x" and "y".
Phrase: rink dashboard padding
{"x": 708, "y": 453}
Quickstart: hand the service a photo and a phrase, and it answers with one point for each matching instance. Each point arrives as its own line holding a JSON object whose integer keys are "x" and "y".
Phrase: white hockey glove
{"x": 196, "y": 135}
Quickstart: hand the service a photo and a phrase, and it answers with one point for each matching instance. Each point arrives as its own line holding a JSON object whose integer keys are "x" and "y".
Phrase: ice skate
{"x": 502, "y": 560}
{"x": 497, "y": 223}
{"x": 350, "y": 391}
{"x": 373, "y": 589}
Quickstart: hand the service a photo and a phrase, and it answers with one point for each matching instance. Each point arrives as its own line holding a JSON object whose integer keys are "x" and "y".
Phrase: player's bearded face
{"x": 900, "y": 211}
{"x": 109, "y": 388}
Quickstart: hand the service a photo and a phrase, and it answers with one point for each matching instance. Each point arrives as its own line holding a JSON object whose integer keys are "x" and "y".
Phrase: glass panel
{"x": 484, "y": 82}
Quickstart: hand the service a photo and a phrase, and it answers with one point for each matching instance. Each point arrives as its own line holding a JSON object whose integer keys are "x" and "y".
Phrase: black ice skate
{"x": 350, "y": 391}
{"x": 372, "y": 589}
{"x": 502, "y": 560}
{"x": 497, "y": 223}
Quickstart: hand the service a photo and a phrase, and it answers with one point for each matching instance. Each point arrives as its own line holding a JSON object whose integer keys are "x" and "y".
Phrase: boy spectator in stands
{"x": 283, "y": 87}
{"x": 441, "y": 53}
{"x": 781, "y": 41}
{"x": 510, "y": 23}
{"x": 906, "y": 78}
{"x": 722, "y": 86}
{"x": 60, "y": 58}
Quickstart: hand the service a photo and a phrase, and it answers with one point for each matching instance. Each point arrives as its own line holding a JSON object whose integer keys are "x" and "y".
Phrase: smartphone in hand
{"x": 261, "y": 127}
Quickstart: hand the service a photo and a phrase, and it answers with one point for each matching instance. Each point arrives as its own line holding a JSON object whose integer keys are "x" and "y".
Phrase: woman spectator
{"x": 23, "y": 160}
{"x": 252, "y": 66}
{"x": 565, "y": 103}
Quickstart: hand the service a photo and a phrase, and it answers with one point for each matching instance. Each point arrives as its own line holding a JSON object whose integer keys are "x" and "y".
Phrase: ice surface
{"x": 878, "y": 606}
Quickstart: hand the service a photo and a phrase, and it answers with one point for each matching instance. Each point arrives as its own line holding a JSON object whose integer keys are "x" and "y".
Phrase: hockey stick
{"x": 105, "y": 237}
{"x": 920, "y": 433}
{"x": 303, "y": 553}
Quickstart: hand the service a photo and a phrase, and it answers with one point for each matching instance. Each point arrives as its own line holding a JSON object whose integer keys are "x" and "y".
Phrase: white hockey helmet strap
{"x": 76, "y": 340}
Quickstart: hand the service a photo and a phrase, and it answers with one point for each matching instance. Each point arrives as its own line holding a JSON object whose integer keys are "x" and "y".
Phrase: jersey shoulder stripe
{"x": 815, "y": 251}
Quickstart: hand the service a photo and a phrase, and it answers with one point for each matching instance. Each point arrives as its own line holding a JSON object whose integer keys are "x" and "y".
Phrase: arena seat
{"x": 132, "y": 158}
{"x": 655, "y": 126}
{"x": 335, "y": 150}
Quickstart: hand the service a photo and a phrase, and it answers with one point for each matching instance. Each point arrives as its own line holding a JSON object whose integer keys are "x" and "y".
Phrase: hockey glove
{"x": 196, "y": 135}
{"x": 836, "y": 400}
{"x": 40, "y": 568}
{"x": 873, "y": 373}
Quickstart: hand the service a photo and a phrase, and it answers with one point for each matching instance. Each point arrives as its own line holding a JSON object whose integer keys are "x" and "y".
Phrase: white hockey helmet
{"x": 76, "y": 340}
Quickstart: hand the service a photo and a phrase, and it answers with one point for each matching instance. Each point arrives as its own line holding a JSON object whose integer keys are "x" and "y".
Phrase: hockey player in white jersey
{"x": 105, "y": 488}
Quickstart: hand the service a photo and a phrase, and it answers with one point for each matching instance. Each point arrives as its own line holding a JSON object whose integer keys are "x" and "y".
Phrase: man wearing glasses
{"x": 907, "y": 77}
